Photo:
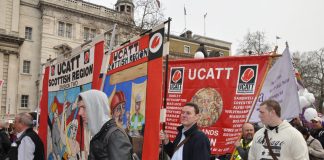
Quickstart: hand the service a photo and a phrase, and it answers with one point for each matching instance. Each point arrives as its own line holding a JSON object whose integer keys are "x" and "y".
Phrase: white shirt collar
{"x": 20, "y": 133}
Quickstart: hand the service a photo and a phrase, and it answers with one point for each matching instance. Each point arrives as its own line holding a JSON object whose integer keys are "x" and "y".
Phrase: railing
{"x": 87, "y": 7}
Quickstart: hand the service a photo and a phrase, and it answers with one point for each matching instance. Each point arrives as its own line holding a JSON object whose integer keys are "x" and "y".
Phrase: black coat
{"x": 196, "y": 148}
{"x": 110, "y": 143}
{"x": 4, "y": 144}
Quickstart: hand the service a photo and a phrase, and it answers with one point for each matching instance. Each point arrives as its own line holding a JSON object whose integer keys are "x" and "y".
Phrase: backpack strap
{"x": 268, "y": 144}
{"x": 311, "y": 142}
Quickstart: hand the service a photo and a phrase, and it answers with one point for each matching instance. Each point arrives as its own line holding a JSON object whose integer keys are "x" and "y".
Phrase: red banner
{"x": 60, "y": 128}
{"x": 224, "y": 89}
{"x": 134, "y": 81}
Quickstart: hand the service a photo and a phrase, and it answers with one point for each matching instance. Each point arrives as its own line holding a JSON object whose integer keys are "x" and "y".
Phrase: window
{"x": 68, "y": 32}
{"x": 26, "y": 67}
{"x": 61, "y": 29}
{"x": 186, "y": 49}
{"x": 65, "y": 29}
{"x": 122, "y": 8}
{"x": 28, "y": 33}
{"x": 128, "y": 9}
{"x": 88, "y": 33}
{"x": 24, "y": 101}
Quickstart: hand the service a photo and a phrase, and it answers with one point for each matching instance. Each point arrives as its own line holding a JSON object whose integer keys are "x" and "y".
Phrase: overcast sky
{"x": 300, "y": 22}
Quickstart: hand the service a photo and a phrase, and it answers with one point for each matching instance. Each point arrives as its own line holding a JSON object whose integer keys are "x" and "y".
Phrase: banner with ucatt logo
{"x": 133, "y": 84}
{"x": 224, "y": 89}
{"x": 60, "y": 127}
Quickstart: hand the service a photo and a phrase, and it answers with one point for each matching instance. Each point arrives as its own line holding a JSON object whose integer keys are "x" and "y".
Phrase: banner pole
{"x": 105, "y": 65}
{"x": 166, "y": 70}
{"x": 254, "y": 102}
{"x": 260, "y": 88}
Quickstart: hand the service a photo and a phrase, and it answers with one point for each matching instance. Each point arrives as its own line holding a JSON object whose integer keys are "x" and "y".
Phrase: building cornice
{"x": 89, "y": 9}
{"x": 11, "y": 39}
{"x": 198, "y": 42}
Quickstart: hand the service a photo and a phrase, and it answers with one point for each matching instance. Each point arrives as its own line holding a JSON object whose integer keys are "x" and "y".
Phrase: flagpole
{"x": 205, "y": 23}
{"x": 185, "y": 17}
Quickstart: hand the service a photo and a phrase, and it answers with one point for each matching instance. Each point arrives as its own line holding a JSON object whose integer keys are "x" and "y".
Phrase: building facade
{"x": 186, "y": 45}
{"x": 32, "y": 31}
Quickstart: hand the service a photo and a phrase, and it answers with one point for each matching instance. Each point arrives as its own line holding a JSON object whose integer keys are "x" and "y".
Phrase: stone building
{"x": 186, "y": 45}
{"x": 32, "y": 31}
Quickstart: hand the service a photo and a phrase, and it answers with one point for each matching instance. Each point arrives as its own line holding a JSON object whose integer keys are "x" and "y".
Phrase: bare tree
{"x": 254, "y": 43}
{"x": 148, "y": 14}
{"x": 311, "y": 67}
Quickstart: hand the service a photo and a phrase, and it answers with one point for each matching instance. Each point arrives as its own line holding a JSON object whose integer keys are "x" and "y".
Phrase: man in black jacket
{"x": 109, "y": 142}
{"x": 190, "y": 143}
{"x": 4, "y": 141}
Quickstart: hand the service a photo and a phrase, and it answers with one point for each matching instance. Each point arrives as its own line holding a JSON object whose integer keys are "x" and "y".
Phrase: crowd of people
{"x": 277, "y": 139}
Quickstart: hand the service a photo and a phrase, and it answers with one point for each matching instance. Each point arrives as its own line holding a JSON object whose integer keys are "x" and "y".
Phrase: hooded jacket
{"x": 109, "y": 142}
{"x": 97, "y": 109}
{"x": 287, "y": 143}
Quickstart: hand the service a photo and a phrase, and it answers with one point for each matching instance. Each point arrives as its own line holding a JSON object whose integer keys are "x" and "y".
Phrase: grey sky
{"x": 300, "y": 22}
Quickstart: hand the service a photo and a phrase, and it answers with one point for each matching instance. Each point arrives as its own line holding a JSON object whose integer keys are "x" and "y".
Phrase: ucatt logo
{"x": 176, "y": 80}
{"x": 247, "y": 79}
{"x": 86, "y": 57}
{"x": 53, "y": 70}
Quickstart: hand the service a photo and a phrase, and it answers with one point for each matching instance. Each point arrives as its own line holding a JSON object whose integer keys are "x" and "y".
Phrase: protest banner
{"x": 60, "y": 128}
{"x": 280, "y": 85}
{"x": 133, "y": 84}
{"x": 224, "y": 89}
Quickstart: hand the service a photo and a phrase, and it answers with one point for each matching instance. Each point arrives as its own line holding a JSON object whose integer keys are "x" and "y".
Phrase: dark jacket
{"x": 110, "y": 143}
{"x": 319, "y": 134}
{"x": 39, "y": 153}
{"x": 196, "y": 148}
{"x": 4, "y": 144}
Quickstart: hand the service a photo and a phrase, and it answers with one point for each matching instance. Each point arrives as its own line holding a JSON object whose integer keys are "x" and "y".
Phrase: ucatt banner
{"x": 223, "y": 88}
{"x": 133, "y": 84}
{"x": 60, "y": 127}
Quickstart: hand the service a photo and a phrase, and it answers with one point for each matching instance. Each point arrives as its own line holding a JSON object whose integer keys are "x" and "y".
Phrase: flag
{"x": 184, "y": 10}
{"x": 205, "y": 15}
{"x": 1, "y": 82}
{"x": 280, "y": 85}
{"x": 277, "y": 37}
{"x": 158, "y": 3}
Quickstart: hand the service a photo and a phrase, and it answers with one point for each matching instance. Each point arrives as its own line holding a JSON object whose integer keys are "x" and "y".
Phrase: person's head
{"x": 138, "y": 101}
{"x": 2, "y": 124}
{"x": 317, "y": 122}
{"x": 304, "y": 131}
{"x": 117, "y": 105}
{"x": 23, "y": 121}
{"x": 295, "y": 122}
{"x": 94, "y": 109}
{"x": 247, "y": 131}
{"x": 269, "y": 112}
{"x": 189, "y": 114}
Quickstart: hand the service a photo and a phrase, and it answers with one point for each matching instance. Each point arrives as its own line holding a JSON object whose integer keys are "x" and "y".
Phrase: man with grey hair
{"x": 28, "y": 145}
{"x": 4, "y": 140}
